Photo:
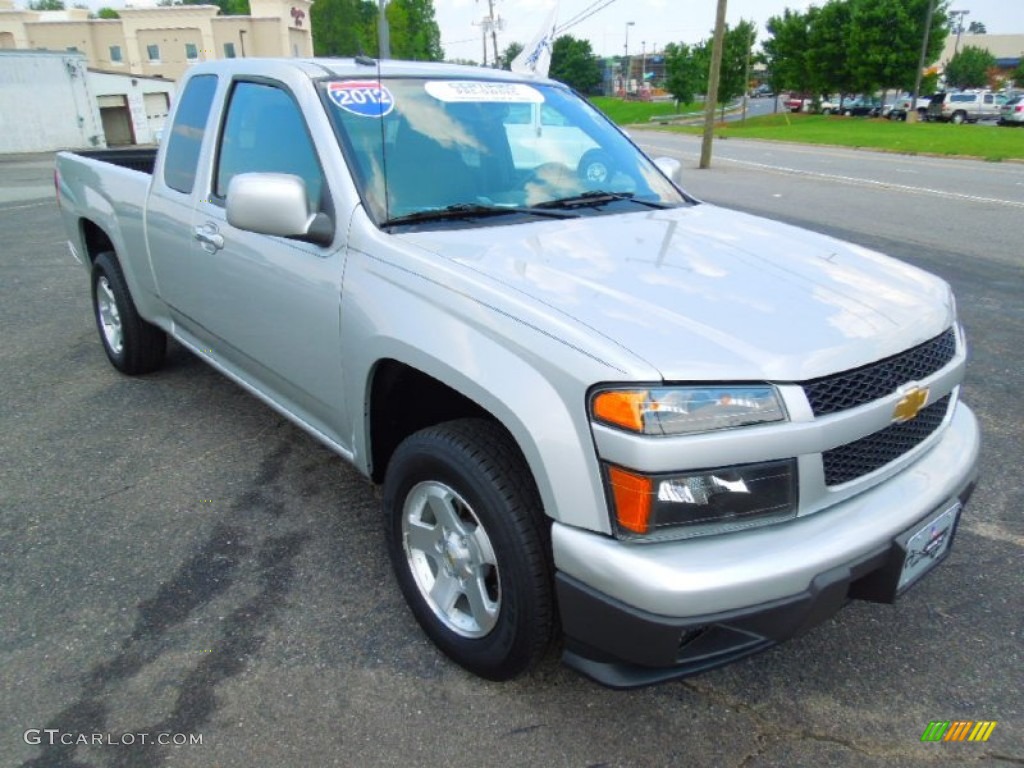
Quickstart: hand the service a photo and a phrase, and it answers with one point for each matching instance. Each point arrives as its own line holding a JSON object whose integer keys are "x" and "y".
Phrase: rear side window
{"x": 186, "y": 139}
{"x": 265, "y": 133}
{"x": 962, "y": 97}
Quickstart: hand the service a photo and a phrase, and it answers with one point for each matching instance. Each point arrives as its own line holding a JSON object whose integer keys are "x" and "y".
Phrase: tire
{"x": 959, "y": 118}
{"x": 470, "y": 546}
{"x": 847, "y": 113}
{"x": 595, "y": 168}
{"x": 826, "y": 111}
{"x": 133, "y": 346}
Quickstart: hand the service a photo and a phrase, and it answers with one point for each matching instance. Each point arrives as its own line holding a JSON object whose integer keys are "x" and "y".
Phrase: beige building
{"x": 162, "y": 41}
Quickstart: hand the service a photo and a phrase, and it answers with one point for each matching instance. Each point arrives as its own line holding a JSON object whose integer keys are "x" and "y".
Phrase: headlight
{"x": 701, "y": 502}
{"x": 686, "y": 410}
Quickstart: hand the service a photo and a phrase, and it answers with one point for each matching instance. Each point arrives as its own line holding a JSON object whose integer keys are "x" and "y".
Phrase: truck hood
{"x": 702, "y": 293}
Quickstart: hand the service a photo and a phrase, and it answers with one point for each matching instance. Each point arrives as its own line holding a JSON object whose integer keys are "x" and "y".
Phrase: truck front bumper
{"x": 635, "y": 614}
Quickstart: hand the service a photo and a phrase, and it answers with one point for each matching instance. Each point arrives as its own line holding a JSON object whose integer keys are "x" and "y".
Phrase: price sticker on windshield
{"x": 365, "y": 98}
{"x": 479, "y": 91}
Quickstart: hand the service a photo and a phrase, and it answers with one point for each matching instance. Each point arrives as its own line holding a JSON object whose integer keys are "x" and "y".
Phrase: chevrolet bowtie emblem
{"x": 910, "y": 405}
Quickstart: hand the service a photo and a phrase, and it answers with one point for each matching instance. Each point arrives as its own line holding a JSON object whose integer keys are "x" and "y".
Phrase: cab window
{"x": 264, "y": 132}
{"x": 186, "y": 139}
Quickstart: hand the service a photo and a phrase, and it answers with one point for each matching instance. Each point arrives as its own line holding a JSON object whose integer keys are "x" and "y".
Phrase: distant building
{"x": 162, "y": 41}
{"x": 1007, "y": 49}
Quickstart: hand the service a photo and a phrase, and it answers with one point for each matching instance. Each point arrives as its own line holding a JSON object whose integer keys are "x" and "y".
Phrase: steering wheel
{"x": 595, "y": 168}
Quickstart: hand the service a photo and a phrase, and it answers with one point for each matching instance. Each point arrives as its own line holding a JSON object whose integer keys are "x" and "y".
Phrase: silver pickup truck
{"x": 670, "y": 434}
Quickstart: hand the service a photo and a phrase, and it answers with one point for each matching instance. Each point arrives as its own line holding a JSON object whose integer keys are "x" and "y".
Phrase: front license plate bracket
{"x": 912, "y": 555}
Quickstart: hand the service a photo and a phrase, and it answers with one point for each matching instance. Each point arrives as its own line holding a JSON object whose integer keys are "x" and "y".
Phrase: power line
{"x": 583, "y": 15}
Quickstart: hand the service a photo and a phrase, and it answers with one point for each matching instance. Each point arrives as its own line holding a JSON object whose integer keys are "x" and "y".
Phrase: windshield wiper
{"x": 473, "y": 211}
{"x": 598, "y": 198}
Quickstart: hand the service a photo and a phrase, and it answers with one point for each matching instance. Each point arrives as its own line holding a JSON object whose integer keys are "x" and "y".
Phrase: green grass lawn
{"x": 629, "y": 112}
{"x": 989, "y": 142}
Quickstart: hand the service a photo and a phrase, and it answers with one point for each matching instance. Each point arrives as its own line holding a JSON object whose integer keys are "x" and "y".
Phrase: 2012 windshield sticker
{"x": 365, "y": 98}
{"x": 479, "y": 91}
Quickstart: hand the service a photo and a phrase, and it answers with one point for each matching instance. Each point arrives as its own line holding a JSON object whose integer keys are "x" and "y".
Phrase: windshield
{"x": 466, "y": 148}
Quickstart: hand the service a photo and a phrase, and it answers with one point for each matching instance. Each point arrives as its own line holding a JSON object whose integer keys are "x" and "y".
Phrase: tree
{"x": 736, "y": 52}
{"x": 227, "y": 7}
{"x": 344, "y": 27}
{"x": 509, "y": 54}
{"x": 107, "y": 13}
{"x": 574, "y": 63}
{"x": 969, "y": 68}
{"x": 977, "y": 28}
{"x": 684, "y": 75}
{"x": 885, "y": 41}
{"x": 786, "y": 50}
{"x": 828, "y": 53}
{"x": 1018, "y": 75}
{"x": 46, "y": 5}
{"x": 414, "y": 31}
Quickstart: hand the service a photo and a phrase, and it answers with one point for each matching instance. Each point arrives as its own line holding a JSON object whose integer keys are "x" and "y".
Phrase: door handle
{"x": 208, "y": 235}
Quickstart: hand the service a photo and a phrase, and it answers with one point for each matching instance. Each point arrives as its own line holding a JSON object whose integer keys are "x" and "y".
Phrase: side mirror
{"x": 671, "y": 168}
{"x": 275, "y": 204}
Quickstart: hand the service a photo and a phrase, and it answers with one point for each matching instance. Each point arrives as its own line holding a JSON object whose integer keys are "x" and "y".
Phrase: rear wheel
{"x": 959, "y": 118}
{"x": 133, "y": 346}
{"x": 469, "y": 546}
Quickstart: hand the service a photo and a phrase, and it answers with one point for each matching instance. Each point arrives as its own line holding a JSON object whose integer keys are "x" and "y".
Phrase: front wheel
{"x": 133, "y": 346}
{"x": 469, "y": 546}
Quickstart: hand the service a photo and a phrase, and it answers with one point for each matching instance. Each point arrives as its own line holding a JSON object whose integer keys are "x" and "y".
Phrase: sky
{"x": 655, "y": 22}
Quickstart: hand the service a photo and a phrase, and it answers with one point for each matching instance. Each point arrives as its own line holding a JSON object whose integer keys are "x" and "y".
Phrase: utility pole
{"x": 713, "y": 78}
{"x": 492, "y": 24}
{"x": 627, "y": 69}
{"x": 746, "y": 76}
{"x": 912, "y": 107}
{"x": 959, "y": 28}
{"x": 383, "y": 33}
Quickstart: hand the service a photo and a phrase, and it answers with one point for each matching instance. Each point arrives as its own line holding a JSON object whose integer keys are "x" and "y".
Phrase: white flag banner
{"x": 535, "y": 59}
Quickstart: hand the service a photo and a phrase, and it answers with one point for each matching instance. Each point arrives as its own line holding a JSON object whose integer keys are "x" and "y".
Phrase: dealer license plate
{"x": 927, "y": 546}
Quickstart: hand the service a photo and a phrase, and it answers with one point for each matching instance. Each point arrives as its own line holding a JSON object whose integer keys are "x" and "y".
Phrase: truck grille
{"x": 850, "y": 461}
{"x": 862, "y": 385}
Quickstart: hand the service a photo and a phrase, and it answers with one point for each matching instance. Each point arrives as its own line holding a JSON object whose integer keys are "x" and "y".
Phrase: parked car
{"x": 898, "y": 110}
{"x": 797, "y": 102}
{"x": 828, "y": 105}
{"x": 965, "y": 106}
{"x": 674, "y": 433}
{"x": 861, "y": 106}
{"x": 1012, "y": 112}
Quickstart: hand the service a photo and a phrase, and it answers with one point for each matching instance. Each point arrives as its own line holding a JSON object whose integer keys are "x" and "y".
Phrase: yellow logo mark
{"x": 911, "y": 404}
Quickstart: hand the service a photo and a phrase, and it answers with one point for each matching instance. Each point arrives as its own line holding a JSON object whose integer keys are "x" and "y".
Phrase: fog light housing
{"x": 701, "y": 502}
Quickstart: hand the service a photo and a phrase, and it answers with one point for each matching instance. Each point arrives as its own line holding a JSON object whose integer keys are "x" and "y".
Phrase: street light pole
{"x": 959, "y": 27}
{"x": 383, "y": 33}
{"x": 625, "y": 59}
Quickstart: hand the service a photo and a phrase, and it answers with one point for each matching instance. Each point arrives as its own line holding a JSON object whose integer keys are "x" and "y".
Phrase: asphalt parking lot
{"x": 175, "y": 558}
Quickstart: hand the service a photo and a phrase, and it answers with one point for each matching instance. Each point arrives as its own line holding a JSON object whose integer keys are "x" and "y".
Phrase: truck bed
{"x": 136, "y": 158}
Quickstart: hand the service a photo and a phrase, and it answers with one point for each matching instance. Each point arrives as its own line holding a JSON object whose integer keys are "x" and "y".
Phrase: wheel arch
{"x": 562, "y": 468}
{"x": 94, "y": 239}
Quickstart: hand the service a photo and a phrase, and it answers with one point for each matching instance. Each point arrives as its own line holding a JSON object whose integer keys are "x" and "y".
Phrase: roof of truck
{"x": 365, "y": 67}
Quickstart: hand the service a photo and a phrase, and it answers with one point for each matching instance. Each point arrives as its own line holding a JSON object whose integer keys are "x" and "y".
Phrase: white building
{"x": 133, "y": 108}
{"x": 51, "y": 100}
{"x": 45, "y": 103}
